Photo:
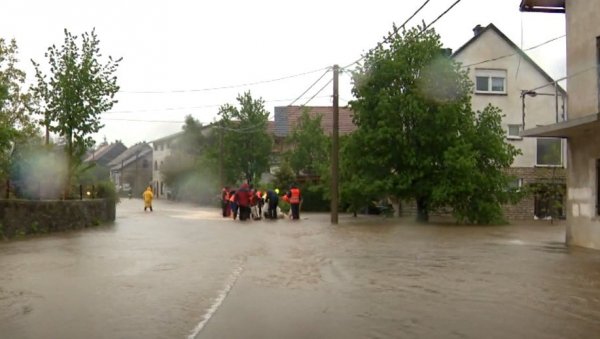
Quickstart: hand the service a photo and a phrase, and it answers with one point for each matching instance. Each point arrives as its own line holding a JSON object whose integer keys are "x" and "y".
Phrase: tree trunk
{"x": 422, "y": 210}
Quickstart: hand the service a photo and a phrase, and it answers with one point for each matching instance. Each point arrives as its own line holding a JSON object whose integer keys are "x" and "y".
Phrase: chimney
{"x": 447, "y": 52}
{"x": 477, "y": 29}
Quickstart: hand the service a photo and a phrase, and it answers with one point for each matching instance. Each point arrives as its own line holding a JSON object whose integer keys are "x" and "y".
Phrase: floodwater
{"x": 184, "y": 272}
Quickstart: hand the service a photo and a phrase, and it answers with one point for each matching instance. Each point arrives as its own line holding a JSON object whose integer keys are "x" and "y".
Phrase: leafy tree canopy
{"x": 246, "y": 140}
{"x": 308, "y": 145}
{"x": 16, "y": 124}
{"x": 78, "y": 88}
{"x": 418, "y": 136}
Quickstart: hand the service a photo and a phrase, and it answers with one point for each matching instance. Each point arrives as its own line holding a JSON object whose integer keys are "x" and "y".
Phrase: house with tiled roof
{"x": 132, "y": 169}
{"x": 105, "y": 153}
{"x": 287, "y": 116}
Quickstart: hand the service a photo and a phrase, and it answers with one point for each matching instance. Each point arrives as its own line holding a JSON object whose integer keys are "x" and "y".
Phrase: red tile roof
{"x": 286, "y": 118}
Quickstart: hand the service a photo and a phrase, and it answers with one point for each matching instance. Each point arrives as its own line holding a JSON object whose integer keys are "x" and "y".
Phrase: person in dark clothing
{"x": 225, "y": 206}
{"x": 272, "y": 200}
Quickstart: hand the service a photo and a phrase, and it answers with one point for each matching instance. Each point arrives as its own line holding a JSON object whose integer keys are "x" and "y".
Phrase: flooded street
{"x": 184, "y": 272}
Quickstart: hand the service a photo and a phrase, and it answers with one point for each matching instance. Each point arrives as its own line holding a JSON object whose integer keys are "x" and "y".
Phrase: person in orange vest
{"x": 295, "y": 198}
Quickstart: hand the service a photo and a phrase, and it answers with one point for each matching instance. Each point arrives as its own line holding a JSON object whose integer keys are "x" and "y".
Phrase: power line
{"x": 322, "y": 88}
{"x": 564, "y": 78}
{"x": 424, "y": 29}
{"x": 185, "y": 108}
{"x": 512, "y": 54}
{"x": 228, "y": 86}
{"x": 246, "y": 130}
{"x": 394, "y": 32}
{"x": 440, "y": 16}
{"x": 310, "y": 87}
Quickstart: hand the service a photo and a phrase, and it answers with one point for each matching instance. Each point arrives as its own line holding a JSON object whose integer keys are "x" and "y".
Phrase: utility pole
{"x": 335, "y": 147}
{"x": 221, "y": 169}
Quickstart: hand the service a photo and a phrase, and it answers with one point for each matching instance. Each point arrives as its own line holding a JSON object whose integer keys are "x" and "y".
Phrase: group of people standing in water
{"x": 250, "y": 203}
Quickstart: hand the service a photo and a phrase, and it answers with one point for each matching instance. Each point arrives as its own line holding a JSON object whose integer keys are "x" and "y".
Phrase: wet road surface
{"x": 184, "y": 272}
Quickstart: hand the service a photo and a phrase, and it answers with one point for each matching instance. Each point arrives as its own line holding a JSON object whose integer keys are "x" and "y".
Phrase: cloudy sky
{"x": 175, "y": 51}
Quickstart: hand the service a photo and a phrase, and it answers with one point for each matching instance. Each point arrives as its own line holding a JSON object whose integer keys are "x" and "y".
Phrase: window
{"x": 513, "y": 131}
{"x": 516, "y": 184}
{"x": 549, "y": 152}
{"x": 492, "y": 81}
{"x": 155, "y": 165}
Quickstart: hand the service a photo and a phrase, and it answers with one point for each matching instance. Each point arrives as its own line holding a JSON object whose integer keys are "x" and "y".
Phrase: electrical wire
{"x": 322, "y": 88}
{"x": 228, "y": 86}
{"x": 595, "y": 67}
{"x": 394, "y": 32}
{"x": 310, "y": 87}
{"x": 184, "y": 108}
{"x": 440, "y": 16}
{"x": 424, "y": 29}
{"x": 513, "y": 54}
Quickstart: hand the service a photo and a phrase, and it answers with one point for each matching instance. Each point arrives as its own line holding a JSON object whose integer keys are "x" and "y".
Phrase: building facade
{"x": 502, "y": 73}
{"x": 161, "y": 149}
{"x": 131, "y": 171}
{"x": 582, "y": 128}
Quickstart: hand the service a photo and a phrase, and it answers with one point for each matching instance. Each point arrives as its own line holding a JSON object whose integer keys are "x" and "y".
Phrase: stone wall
{"x": 22, "y": 217}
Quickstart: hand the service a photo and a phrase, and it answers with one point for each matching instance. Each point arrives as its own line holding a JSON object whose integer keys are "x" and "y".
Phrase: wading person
{"x": 242, "y": 197}
{"x": 148, "y": 196}
{"x": 295, "y": 198}
{"x": 233, "y": 204}
{"x": 225, "y": 206}
{"x": 272, "y": 200}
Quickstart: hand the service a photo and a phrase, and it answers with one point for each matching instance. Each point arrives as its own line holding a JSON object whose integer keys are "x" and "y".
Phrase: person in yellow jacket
{"x": 148, "y": 196}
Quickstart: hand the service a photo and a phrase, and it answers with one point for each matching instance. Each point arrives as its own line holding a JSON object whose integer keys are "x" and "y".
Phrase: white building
{"x": 162, "y": 148}
{"x": 502, "y": 73}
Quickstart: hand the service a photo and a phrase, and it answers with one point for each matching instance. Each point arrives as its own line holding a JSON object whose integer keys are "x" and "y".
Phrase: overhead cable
{"x": 512, "y": 54}
{"x": 394, "y": 32}
{"x": 322, "y": 88}
{"x": 310, "y": 87}
{"x": 227, "y": 86}
{"x": 182, "y": 108}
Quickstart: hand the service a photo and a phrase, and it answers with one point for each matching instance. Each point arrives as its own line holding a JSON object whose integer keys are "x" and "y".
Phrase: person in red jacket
{"x": 242, "y": 197}
{"x": 295, "y": 197}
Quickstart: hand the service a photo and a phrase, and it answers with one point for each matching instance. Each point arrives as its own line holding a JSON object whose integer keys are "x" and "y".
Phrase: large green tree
{"x": 308, "y": 145}
{"x": 16, "y": 124}
{"x": 418, "y": 136}
{"x": 79, "y": 87}
{"x": 246, "y": 141}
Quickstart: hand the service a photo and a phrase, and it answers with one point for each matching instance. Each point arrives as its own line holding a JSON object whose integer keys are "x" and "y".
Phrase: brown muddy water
{"x": 184, "y": 272}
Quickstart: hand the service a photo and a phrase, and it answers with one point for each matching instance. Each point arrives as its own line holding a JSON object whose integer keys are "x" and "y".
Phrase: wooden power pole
{"x": 335, "y": 148}
{"x": 221, "y": 168}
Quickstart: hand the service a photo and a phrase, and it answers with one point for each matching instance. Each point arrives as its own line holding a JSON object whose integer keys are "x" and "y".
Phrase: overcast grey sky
{"x": 175, "y": 47}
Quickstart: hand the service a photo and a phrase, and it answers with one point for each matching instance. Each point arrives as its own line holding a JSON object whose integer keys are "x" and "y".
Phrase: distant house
{"x": 286, "y": 118}
{"x": 502, "y": 73}
{"x": 132, "y": 169}
{"x": 105, "y": 153}
{"x": 581, "y": 129}
{"x": 162, "y": 148}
